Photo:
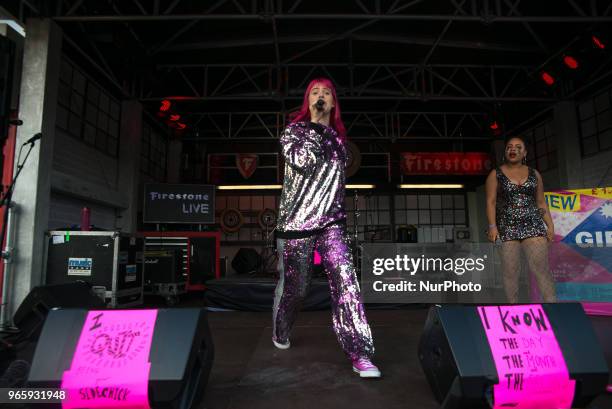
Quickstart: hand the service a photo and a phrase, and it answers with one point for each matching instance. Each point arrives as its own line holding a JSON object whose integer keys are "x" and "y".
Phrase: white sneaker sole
{"x": 367, "y": 374}
{"x": 281, "y": 346}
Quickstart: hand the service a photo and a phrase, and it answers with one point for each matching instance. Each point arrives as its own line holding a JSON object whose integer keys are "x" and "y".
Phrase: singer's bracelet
{"x": 491, "y": 226}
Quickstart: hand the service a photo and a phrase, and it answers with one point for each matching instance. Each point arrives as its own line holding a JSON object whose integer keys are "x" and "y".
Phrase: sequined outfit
{"x": 313, "y": 188}
{"x": 517, "y": 213}
{"x": 312, "y": 216}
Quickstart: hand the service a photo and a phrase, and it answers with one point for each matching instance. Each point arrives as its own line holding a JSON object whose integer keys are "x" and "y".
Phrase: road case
{"x": 109, "y": 260}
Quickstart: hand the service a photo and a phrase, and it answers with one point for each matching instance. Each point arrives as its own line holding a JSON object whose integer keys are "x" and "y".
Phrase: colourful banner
{"x": 110, "y": 367}
{"x": 530, "y": 365}
{"x": 581, "y": 259}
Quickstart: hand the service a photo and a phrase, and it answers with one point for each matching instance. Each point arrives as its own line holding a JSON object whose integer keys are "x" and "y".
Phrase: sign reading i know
{"x": 530, "y": 365}
{"x": 173, "y": 203}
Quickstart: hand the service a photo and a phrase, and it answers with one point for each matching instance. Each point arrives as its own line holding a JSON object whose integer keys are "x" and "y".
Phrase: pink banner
{"x": 110, "y": 367}
{"x": 530, "y": 365}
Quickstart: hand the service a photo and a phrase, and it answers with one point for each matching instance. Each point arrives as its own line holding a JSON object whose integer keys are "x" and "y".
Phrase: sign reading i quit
{"x": 530, "y": 365}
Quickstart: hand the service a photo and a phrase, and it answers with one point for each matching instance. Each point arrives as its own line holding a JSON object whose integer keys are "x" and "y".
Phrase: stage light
{"x": 495, "y": 127}
{"x": 181, "y": 125}
{"x": 431, "y": 186}
{"x": 597, "y": 42}
{"x": 249, "y": 187}
{"x": 360, "y": 186}
{"x": 175, "y": 117}
{"x": 547, "y": 78}
{"x": 165, "y": 105}
{"x": 570, "y": 62}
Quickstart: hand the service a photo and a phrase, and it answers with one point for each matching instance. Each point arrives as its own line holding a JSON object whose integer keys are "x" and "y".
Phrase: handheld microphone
{"x": 319, "y": 105}
{"x": 33, "y": 139}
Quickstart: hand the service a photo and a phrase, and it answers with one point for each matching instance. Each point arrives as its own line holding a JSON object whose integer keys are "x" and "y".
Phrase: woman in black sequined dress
{"x": 519, "y": 218}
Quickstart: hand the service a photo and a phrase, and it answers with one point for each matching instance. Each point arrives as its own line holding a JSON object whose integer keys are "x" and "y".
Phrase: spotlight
{"x": 165, "y": 105}
{"x": 181, "y": 125}
{"x": 495, "y": 127}
{"x": 598, "y": 42}
{"x": 547, "y": 78}
{"x": 175, "y": 117}
{"x": 570, "y": 62}
{"x": 494, "y": 120}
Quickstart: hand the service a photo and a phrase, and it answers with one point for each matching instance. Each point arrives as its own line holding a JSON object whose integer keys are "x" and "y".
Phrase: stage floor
{"x": 250, "y": 373}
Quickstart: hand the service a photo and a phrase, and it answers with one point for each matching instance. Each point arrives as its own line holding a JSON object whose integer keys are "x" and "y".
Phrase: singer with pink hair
{"x": 312, "y": 216}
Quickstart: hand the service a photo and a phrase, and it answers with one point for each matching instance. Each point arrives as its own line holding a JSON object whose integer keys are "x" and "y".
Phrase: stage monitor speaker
{"x": 34, "y": 308}
{"x": 458, "y": 364}
{"x": 163, "y": 266}
{"x": 181, "y": 354}
{"x": 246, "y": 261}
{"x": 203, "y": 261}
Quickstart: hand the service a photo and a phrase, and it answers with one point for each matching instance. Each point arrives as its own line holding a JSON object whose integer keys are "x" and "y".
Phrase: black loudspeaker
{"x": 203, "y": 261}
{"x": 163, "y": 266}
{"x": 246, "y": 261}
{"x": 34, "y": 308}
{"x": 458, "y": 364}
{"x": 181, "y": 355}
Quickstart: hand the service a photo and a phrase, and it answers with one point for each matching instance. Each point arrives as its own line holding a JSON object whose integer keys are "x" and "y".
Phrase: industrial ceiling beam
{"x": 269, "y": 97}
{"x": 412, "y": 40}
{"x": 330, "y": 16}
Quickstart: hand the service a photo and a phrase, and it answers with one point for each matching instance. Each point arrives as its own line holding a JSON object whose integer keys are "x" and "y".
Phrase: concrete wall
{"x": 63, "y": 173}
{"x": 597, "y": 170}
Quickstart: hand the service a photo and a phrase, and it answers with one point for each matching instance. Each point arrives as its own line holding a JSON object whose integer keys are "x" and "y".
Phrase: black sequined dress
{"x": 517, "y": 213}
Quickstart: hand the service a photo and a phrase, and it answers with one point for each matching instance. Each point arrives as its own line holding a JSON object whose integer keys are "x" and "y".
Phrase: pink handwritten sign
{"x": 110, "y": 367}
{"x": 530, "y": 365}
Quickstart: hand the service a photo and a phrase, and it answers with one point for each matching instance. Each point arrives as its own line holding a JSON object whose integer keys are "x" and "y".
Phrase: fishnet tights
{"x": 536, "y": 252}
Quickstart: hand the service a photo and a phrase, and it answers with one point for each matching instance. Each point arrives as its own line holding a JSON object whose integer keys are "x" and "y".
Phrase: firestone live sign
{"x": 175, "y": 203}
{"x": 445, "y": 163}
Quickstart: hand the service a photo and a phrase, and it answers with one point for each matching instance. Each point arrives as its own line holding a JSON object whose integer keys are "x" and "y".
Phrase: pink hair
{"x": 335, "y": 121}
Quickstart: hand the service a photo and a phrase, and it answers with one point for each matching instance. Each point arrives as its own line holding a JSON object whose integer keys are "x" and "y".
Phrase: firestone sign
{"x": 176, "y": 203}
{"x": 445, "y": 163}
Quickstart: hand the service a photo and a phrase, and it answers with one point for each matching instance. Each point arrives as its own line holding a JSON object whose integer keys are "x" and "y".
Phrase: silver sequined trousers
{"x": 295, "y": 270}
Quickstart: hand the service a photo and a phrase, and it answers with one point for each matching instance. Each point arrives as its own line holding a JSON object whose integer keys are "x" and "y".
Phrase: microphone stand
{"x": 8, "y": 225}
{"x": 356, "y": 232}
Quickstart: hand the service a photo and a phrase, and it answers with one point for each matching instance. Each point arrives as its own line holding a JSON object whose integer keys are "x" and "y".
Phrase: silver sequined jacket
{"x": 313, "y": 186}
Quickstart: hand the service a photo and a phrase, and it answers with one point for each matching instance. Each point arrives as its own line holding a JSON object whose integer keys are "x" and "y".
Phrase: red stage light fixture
{"x": 598, "y": 42}
{"x": 181, "y": 125}
{"x": 570, "y": 62}
{"x": 547, "y": 78}
{"x": 494, "y": 126}
{"x": 165, "y": 105}
{"x": 175, "y": 117}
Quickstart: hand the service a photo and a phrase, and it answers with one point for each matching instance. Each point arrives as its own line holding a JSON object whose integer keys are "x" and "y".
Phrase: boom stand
{"x": 8, "y": 228}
